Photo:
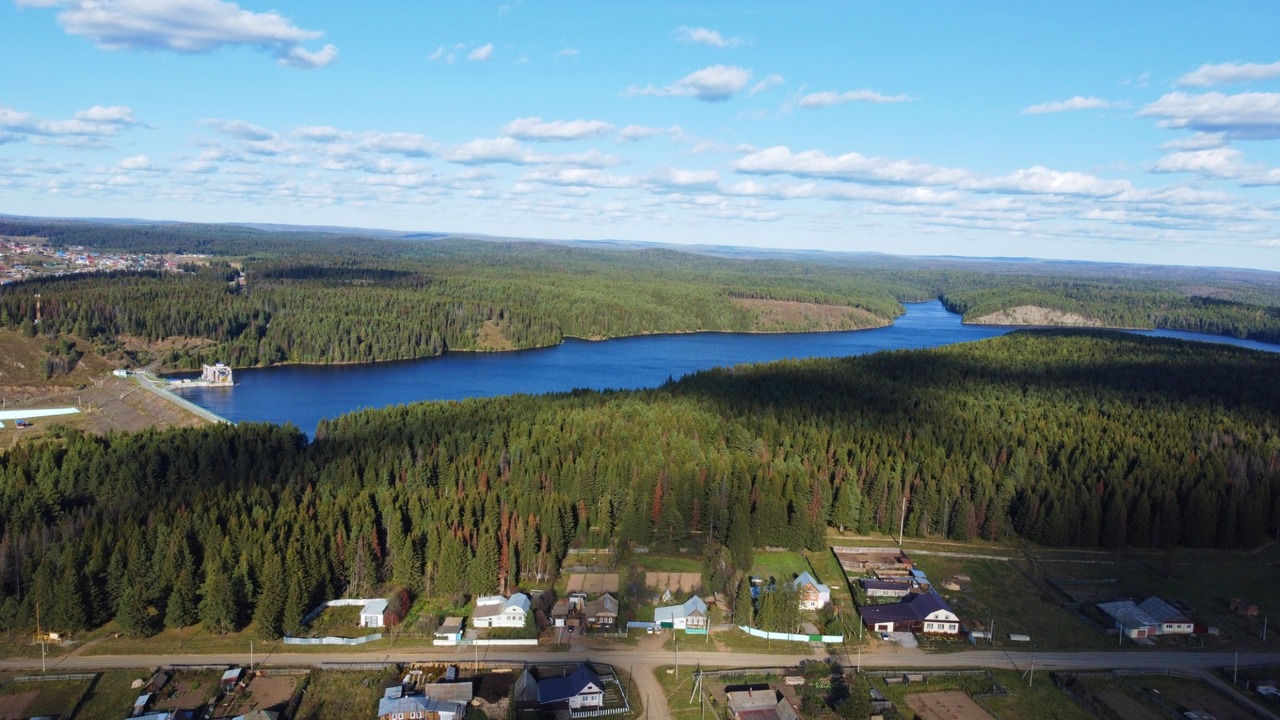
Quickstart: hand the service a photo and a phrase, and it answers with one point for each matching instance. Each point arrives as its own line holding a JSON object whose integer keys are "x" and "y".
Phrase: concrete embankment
{"x": 159, "y": 386}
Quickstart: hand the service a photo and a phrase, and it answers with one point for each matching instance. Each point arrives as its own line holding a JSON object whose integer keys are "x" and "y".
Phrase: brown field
{"x": 787, "y": 315}
{"x": 14, "y": 707}
{"x": 947, "y": 705}
{"x": 593, "y": 583}
{"x": 1185, "y": 695}
{"x": 266, "y": 691}
{"x": 1125, "y": 706}
{"x": 674, "y": 581}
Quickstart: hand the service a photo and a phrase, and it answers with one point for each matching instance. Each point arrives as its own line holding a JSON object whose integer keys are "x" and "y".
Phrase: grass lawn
{"x": 57, "y": 698}
{"x": 668, "y": 563}
{"x": 339, "y": 621}
{"x": 1044, "y": 701}
{"x": 343, "y": 694}
{"x": 783, "y": 566}
{"x": 737, "y": 641}
{"x": 997, "y": 590}
{"x": 111, "y": 696}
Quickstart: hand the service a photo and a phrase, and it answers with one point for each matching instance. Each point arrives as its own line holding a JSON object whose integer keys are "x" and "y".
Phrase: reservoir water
{"x": 303, "y": 394}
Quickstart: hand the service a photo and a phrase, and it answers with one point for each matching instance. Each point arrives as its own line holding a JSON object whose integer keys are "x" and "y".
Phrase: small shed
{"x": 231, "y": 678}
{"x": 372, "y": 613}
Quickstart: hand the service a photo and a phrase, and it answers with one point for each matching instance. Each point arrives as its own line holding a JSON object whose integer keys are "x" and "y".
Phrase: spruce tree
{"x": 218, "y": 608}
{"x": 268, "y": 614}
{"x": 132, "y": 613}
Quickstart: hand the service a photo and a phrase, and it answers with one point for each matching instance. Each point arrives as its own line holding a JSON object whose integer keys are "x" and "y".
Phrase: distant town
{"x": 26, "y": 258}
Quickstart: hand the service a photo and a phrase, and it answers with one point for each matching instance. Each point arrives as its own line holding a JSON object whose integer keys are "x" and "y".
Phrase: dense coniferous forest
{"x": 263, "y": 298}
{"x": 1092, "y": 439}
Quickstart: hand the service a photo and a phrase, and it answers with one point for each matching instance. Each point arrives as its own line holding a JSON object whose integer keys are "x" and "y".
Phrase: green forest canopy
{"x": 1091, "y": 439}
{"x": 328, "y": 297}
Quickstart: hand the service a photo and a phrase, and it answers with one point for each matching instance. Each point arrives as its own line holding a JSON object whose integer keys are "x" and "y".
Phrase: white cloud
{"x": 505, "y": 150}
{"x": 828, "y": 98}
{"x": 400, "y": 143}
{"x": 188, "y": 26}
{"x": 579, "y": 177}
{"x": 87, "y": 128}
{"x": 1198, "y": 141}
{"x": 676, "y": 177}
{"x": 632, "y": 133}
{"x": 1225, "y": 73}
{"x": 570, "y": 53}
{"x": 716, "y": 83}
{"x": 1076, "y": 103}
{"x": 1222, "y": 162}
{"x": 240, "y": 129}
{"x": 484, "y": 52}
{"x": 705, "y": 36}
{"x": 771, "y": 81}
{"x": 533, "y": 128}
{"x": 1040, "y": 180}
{"x": 137, "y": 162}
{"x": 850, "y": 167}
{"x": 1247, "y": 115}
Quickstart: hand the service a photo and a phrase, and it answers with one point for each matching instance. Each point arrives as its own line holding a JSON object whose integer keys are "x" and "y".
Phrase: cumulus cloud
{"x": 1198, "y": 141}
{"x": 684, "y": 179}
{"x": 632, "y": 133}
{"x": 533, "y": 128}
{"x": 716, "y": 83}
{"x": 1247, "y": 115}
{"x": 1076, "y": 103}
{"x": 579, "y": 177}
{"x": 399, "y": 143}
{"x": 505, "y": 150}
{"x": 187, "y": 26}
{"x": 828, "y": 98}
{"x": 484, "y": 52}
{"x": 1223, "y": 162}
{"x": 852, "y": 167}
{"x": 240, "y": 129}
{"x": 1040, "y": 180}
{"x": 136, "y": 163}
{"x": 87, "y": 128}
{"x": 705, "y": 36}
{"x": 1226, "y": 73}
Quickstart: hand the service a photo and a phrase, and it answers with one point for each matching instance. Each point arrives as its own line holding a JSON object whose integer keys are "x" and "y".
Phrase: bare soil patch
{"x": 948, "y": 705}
{"x": 265, "y": 691}
{"x": 14, "y": 707}
{"x": 788, "y": 315}
{"x": 491, "y": 337}
{"x": 1125, "y": 706}
{"x": 1036, "y": 315}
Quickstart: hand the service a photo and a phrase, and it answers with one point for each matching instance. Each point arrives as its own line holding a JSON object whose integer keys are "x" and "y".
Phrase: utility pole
{"x": 676, "y": 639}
{"x": 1264, "y": 629}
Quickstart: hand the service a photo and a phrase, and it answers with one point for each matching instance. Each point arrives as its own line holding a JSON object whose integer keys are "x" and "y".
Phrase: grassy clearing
{"x": 783, "y": 566}
{"x": 997, "y": 590}
{"x": 1043, "y": 701}
{"x": 110, "y": 697}
{"x": 340, "y": 694}
{"x": 52, "y": 698}
{"x": 668, "y": 563}
{"x": 739, "y": 642}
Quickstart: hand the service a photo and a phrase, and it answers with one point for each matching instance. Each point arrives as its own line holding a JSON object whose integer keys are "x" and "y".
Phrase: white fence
{"x": 790, "y": 636}
{"x": 332, "y": 640}
{"x": 487, "y": 643}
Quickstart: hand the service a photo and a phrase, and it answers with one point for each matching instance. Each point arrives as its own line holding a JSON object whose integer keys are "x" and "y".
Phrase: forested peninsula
{"x": 1073, "y": 438}
{"x": 252, "y": 297}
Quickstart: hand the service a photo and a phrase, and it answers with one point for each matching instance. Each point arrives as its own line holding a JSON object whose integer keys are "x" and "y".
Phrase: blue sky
{"x": 1136, "y": 132}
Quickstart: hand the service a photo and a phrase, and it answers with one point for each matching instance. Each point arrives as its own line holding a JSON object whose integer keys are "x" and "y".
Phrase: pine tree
{"x": 268, "y": 613}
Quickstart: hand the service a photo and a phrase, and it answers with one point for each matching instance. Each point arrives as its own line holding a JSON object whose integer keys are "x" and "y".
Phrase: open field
{"x": 110, "y": 697}
{"x": 266, "y": 690}
{"x": 26, "y": 699}
{"x": 344, "y": 694}
{"x": 946, "y": 705}
{"x": 1185, "y": 695}
{"x": 782, "y": 566}
{"x": 1042, "y": 701}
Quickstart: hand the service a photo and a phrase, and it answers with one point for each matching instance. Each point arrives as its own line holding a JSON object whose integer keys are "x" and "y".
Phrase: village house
{"x": 813, "y": 594}
{"x": 373, "y": 613}
{"x": 397, "y": 704}
{"x": 581, "y": 689}
{"x": 690, "y": 616}
{"x": 495, "y": 611}
{"x": 885, "y": 588}
{"x": 919, "y": 613}
{"x": 602, "y": 612}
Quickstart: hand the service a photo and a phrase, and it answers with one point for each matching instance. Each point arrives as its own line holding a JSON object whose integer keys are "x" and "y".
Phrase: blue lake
{"x": 303, "y": 395}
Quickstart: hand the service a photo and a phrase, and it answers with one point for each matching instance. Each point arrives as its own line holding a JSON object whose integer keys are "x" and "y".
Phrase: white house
{"x": 372, "y": 613}
{"x": 495, "y": 611}
{"x": 813, "y": 594}
{"x": 689, "y": 616}
{"x": 922, "y": 613}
